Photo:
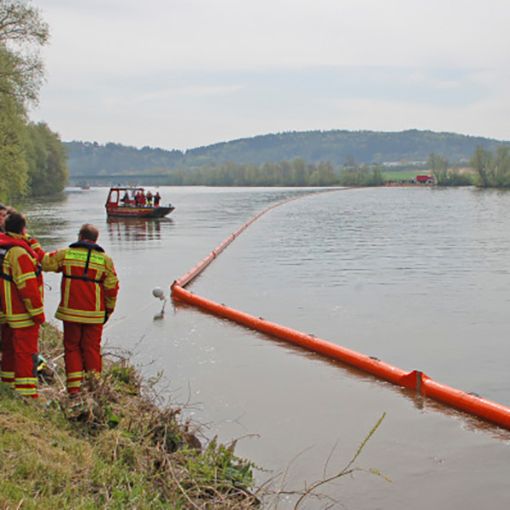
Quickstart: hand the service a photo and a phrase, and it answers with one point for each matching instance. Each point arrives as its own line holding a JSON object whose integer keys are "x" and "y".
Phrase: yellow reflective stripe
{"x": 68, "y": 266}
{"x": 31, "y": 311}
{"x": 18, "y": 320}
{"x": 82, "y": 313}
{"x": 67, "y": 291}
{"x": 9, "y": 384}
{"x": 26, "y": 391}
{"x": 79, "y": 255}
{"x": 8, "y": 378}
{"x": 80, "y": 320}
{"x": 97, "y": 267}
{"x": 20, "y": 324}
{"x": 8, "y": 305}
{"x": 26, "y": 380}
{"x": 78, "y": 263}
{"x": 74, "y": 375}
{"x": 99, "y": 301}
{"x": 74, "y": 384}
{"x": 24, "y": 277}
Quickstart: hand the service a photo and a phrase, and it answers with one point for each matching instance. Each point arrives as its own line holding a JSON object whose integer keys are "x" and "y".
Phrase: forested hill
{"x": 337, "y": 147}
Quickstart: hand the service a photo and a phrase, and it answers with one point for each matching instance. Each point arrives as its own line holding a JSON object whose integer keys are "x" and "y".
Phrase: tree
{"x": 501, "y": 168}
{"x": 13, "y": 165}
{"x": 492, "y": 169}
{"x": 439, "y": 168}
{"x": 46, "y": 157}
{"x": 481, "y": 162}
{"x": 22, "y": 34}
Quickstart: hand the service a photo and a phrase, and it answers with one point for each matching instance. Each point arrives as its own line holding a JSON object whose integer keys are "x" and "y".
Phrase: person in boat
{"x": 148, "y": 196}
{"x": 21, "y": 305}
{"x": 140, "y": 198}
{"x": 157, "y": 198}
{"x": 125, "y": 198}
{"x": 88, "y": 296}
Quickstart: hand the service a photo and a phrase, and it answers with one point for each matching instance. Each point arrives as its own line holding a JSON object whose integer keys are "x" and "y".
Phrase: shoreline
{"x": 116, "y": 445}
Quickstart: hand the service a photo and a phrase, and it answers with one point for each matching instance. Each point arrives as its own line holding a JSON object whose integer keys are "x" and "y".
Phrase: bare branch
{"x": 348, "y": 469}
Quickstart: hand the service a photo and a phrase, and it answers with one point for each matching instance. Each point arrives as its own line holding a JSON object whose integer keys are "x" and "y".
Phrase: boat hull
{"x": 138, "y": 212}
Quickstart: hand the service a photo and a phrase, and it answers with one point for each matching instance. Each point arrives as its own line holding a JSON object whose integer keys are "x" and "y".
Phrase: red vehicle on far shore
{"x": 424, "y": 179}
{"x": 131, "y": 202}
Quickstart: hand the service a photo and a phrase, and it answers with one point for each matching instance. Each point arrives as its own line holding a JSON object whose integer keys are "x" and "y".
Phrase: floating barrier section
{"x": 415, "y": 380}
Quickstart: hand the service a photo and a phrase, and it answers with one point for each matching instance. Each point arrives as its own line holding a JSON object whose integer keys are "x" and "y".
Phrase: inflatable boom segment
{"x": 414, "y": 380}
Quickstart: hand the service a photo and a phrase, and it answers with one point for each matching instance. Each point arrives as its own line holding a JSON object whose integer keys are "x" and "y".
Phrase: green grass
{"x": 399, "y": 175}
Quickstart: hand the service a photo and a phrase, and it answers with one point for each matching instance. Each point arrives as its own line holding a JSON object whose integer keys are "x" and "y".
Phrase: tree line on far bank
{"x": 284, "y": 173}
{"x": 33, "y": 160}
{"x": 296, "y": 172}
{"x": 487, "y": 169}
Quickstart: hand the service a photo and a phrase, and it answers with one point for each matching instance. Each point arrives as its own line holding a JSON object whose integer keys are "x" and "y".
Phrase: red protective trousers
{"x": 7, "y": 356}
{"x": 82, "y": 344}
{"x": 19, "y": 358}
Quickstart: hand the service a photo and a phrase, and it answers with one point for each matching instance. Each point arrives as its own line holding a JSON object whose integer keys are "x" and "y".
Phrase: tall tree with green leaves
{"x": 492, "y": 168}
{"x": 13, "y": 165}
{"x": 501, "y": 168}
{"x": 439, "y": 167}
{"x": 22, "y": 34}
{"x": 481, "y": 162}
{"x": 47, "y": 160}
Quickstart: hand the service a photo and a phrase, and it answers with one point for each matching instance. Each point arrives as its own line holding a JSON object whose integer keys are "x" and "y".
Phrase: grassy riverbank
{"x": 113, "y": 447}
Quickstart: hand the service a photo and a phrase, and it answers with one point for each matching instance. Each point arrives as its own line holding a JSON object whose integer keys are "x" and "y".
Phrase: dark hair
{"x": 88, "y": 232}
{"x": 3, "y": 207}
{"x": 15, "y": 222}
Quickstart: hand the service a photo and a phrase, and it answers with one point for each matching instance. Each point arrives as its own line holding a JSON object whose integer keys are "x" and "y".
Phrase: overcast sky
{"x": 184, "y": 73}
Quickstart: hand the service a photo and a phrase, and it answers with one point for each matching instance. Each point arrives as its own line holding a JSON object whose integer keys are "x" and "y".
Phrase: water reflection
{"x": 134, "y": 230}
{"x": 46, "y": 219}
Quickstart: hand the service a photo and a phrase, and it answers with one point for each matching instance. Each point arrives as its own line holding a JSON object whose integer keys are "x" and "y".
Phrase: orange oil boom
{"x": 416, "y": 380}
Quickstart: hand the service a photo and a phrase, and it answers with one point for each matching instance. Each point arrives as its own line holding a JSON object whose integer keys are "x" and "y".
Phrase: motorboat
{"x": 131, "y": 202}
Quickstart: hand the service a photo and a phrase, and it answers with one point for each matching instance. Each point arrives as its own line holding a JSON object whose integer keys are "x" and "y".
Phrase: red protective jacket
{"x": 21, "y": 283}
{"x": 35, "y": 245}
{"x": 89, "y": 282}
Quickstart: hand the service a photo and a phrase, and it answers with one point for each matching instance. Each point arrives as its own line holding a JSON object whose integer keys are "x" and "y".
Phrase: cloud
{"x": 229, "y": 68}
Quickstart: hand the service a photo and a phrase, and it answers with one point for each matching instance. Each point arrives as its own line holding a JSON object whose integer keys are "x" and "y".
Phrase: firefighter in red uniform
{"x": 88, "y": 295}
{"x": 3, "y": 215}
{"x": 36, "y": 247}
{"x": 21, "y": 298}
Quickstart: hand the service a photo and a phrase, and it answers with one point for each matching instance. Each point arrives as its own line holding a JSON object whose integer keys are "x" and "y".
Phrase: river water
{"x": 419, "y": 278}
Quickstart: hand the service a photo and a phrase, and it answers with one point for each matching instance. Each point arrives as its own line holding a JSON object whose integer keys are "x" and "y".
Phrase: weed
{"x": 111, "y": 446}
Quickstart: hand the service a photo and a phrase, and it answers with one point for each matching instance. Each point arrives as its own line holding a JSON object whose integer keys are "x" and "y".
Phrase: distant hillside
{"x": 337, "y": 147}
{"x": 91, "y": 158}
